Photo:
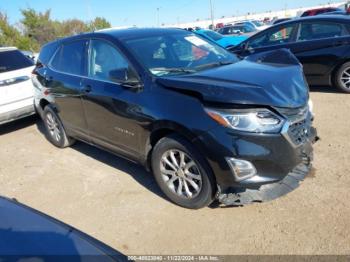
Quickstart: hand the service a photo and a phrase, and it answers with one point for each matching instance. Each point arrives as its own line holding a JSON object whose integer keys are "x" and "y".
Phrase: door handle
{"x": 87, "y": 89}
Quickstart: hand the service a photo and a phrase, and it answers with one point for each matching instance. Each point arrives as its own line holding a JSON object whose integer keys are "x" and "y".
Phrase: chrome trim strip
{"x": 14, "y": 80}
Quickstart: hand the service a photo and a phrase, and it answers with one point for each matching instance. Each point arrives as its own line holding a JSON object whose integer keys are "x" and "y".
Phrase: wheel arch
{"x": 336, "y": 68}
{"x": 162, "y": 129}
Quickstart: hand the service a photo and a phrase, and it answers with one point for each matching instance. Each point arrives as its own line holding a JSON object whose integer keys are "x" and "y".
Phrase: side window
{"x": 281, "y": 36}
{"x": 320, "y": 30}
{"x": 104, "y": 59}
{"x": 70, "y": 58}
{"x": 277, "y": 36}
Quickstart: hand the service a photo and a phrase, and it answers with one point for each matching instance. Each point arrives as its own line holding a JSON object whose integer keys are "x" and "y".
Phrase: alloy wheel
{"x": 181, "y": 174}
{"x": 345, "y": 78}
{"x": 53, "y": 127}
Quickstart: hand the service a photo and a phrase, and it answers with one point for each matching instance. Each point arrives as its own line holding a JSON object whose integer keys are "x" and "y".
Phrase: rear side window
{"x": 70, "y": 58}
{"x": 320, "y": 30}
{"x": 13, "y": 60}
{"x": 47, "y": 52}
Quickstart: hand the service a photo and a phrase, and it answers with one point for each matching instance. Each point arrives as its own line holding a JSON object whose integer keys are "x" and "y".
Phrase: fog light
{"x": 241, "y": 169}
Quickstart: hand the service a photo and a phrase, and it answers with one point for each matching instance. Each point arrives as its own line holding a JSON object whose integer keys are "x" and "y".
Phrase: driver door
{"x": 276, "y": 38}
{"x": 112, "y": 110}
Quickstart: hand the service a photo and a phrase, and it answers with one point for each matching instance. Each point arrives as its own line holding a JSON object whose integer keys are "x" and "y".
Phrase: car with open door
{"x": 321, "y": 43}
{"x": 206, "y": 123}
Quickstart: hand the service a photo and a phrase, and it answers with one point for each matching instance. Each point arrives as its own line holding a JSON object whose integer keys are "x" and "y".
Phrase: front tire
{"x": 55, "y": 132}
{"x": 342, "y": 78}
{"x": 182, "y": 173}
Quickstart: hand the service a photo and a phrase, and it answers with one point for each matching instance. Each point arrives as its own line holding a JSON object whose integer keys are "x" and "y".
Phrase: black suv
{"x": 209, "y": 125}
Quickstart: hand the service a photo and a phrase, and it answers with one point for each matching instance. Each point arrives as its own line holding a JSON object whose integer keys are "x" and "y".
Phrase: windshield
{"x": 181, "y": 53}
{"x": 213, "y": 35}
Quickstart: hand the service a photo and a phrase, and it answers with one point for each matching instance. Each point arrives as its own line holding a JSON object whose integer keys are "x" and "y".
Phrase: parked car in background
{"x": 281, "y": 20}
{"x": 318, "y": 11}
{"x": 246, "y": 30}
{"x": 224, "y": 41}
{"x": 321, "y": 43}
{"x": 219, "y": 25}
{"x": 29, "y": 235}
{"x": 337, "y": 13}
{"x": 16, "y": 88}
{"x": 207, "y": 124}
{"x": 259, "y": 26}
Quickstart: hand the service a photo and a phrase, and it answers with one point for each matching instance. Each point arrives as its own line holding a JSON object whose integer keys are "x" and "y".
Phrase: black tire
{"x": 339, "y": 75}
{"x": 62, "y": 140}
{"x": 205, "y": 195}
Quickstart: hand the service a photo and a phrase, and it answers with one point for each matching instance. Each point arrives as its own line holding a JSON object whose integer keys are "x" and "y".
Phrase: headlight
{"x": 251, "y": 120}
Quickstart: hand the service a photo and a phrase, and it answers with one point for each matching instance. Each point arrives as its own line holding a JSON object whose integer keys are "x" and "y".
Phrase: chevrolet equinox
{"x": 210, "y": 126}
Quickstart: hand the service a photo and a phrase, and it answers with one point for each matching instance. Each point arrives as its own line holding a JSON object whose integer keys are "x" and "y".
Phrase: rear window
{"x": 13, "y": 60}
{"x": 70, "y": 58}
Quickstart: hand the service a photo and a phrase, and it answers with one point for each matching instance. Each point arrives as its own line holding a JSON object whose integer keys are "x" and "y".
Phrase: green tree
{"x": 71, "y": 27}
{"x": 11, "y": 36}
{"x": 99, "y": 23}
{"x": 39, "y": 26}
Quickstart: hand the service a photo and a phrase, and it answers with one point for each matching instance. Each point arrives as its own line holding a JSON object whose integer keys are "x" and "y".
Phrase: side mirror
{"x": 126, "y": 78}
{"x": 237, "y": 32}
{"x": 119, "y": 75}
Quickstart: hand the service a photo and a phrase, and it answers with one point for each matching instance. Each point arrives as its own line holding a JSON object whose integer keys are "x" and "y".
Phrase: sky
{"x": 144, "y": 12}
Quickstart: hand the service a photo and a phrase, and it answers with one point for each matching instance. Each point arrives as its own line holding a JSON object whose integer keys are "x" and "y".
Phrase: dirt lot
{"x": 119, "y": 203}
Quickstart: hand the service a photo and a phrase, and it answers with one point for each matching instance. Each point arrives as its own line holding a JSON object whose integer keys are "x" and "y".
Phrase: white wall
{"x": 260, "y": 16}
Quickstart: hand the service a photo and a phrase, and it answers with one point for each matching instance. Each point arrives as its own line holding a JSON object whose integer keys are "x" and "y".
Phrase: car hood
{"x": 272, "y": 78}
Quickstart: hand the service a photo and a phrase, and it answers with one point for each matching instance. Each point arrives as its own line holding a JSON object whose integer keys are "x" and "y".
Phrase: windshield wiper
{"x": 215, "y": 64}
{"x": 175, "y": 70}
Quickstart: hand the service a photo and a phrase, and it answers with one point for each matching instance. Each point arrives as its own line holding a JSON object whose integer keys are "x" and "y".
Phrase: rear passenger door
{"x": 64, "y": 79}
{"x": 320, "y": 45}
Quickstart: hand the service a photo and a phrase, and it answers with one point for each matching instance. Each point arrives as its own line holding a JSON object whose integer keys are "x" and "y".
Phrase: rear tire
{"x": 55, "y": 131}
{"x": 342, "y": 78}
{"x": 182, "y": 173}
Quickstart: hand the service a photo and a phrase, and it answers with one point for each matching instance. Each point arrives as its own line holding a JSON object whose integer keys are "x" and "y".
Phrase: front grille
{"x": 299, "y": 120}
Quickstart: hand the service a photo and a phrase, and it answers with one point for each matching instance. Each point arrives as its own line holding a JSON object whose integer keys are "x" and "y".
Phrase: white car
{"x": 254, "y": 23}
{"x": 16, "y": 88}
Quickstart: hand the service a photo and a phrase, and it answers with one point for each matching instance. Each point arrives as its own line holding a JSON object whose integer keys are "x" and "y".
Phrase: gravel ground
{"x": 119, "y": 203}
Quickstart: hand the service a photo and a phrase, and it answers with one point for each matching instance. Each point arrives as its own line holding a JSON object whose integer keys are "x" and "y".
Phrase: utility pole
{"x": 158, "y": 8}
{"x": 212, "y": 13}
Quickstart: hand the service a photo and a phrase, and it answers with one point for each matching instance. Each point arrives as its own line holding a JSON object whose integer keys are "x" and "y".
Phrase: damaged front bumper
{"x": 268, "y": 192}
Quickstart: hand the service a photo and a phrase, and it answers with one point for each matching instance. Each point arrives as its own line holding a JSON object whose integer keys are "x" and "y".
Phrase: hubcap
{"x": 181, "y": 174}
{"x": 345, "y": 78}
{"x": 53, "y": 127}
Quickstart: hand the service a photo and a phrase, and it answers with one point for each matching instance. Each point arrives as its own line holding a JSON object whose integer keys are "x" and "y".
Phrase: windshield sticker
{"x": 196, "y": 41}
